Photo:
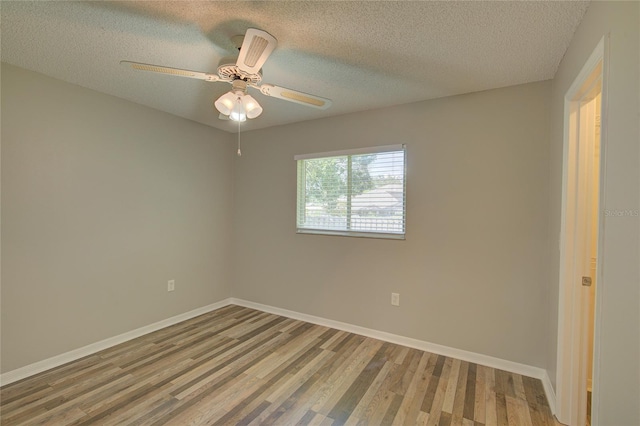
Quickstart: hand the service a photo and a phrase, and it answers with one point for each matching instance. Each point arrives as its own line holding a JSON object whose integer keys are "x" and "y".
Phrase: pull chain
{"x": 239, "y": 151}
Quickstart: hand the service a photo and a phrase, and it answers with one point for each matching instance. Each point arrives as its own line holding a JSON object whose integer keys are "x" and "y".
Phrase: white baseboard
{"x": 489, "y": 361}
{"x": 58, "y": 360}
{"x": 486, "y": 360}
{"x": 549, "y": 392}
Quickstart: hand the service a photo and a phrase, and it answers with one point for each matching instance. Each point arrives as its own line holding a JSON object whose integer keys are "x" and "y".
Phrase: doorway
{"x": 580, "y": 252}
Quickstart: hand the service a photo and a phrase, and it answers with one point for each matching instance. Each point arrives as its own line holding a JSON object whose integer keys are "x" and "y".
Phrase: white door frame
{"x": 571, "y": 370}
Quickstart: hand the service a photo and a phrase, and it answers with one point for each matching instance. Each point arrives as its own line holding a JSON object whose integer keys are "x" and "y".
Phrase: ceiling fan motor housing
{"x": 228, "y": 70}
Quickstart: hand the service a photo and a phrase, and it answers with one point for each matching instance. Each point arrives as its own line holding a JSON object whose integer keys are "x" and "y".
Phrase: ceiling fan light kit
{"x": 236, "y": 104}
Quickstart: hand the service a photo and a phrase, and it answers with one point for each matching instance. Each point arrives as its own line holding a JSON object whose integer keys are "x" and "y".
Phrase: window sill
{"x": 379, "y": 235}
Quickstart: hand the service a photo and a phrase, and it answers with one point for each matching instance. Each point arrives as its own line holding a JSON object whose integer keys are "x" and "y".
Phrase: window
{"x": 359, "y": 192}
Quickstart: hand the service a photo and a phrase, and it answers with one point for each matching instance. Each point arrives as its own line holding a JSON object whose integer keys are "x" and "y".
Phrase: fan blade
{"x": 223, "y": 117}
{"x": 256, "y": 48}
{"x": 295, "y": 96}
{"x": 171, "y": 71}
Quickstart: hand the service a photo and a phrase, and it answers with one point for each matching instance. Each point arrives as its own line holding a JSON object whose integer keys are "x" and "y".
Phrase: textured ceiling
{"x": 362, "y": 55}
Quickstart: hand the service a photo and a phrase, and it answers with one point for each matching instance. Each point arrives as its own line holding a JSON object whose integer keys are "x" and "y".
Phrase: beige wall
{"x": 619, "y": 380}
{"x": 472, "y": 271}
{"x": 103, "y": 201}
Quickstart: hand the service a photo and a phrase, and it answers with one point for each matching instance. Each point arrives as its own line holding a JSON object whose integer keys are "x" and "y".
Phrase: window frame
{"x": 301, "y": 191}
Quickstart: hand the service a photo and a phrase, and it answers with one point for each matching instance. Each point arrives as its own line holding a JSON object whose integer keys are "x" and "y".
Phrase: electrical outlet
{"x": 395, "y": 299}
{"x": 171, "y": 285}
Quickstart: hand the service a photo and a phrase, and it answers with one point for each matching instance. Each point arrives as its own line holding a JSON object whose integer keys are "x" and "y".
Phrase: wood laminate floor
{"x": 242, "y": 366}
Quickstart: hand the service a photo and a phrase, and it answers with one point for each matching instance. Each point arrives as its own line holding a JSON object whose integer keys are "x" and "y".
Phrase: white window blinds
{"x": 357, "y": 192}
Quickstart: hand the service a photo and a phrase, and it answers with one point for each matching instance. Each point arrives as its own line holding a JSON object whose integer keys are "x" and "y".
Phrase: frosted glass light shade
{"x": 225, "y": 103}
{"x": 251, "y": 106}
{"x": 238, "y": 106}
{"x": 238, "y": 112}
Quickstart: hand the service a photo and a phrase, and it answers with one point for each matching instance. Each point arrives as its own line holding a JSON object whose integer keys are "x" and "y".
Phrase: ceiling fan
{"x": 242, "y": 73}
